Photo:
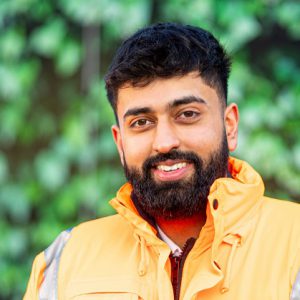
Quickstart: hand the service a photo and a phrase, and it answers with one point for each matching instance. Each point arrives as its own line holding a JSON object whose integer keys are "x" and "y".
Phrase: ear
{"x": 231, "y": 119}
{"x": 118, "y": 141}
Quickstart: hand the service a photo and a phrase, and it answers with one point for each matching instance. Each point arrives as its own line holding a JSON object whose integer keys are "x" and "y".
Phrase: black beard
{"x": 181, "y": 198}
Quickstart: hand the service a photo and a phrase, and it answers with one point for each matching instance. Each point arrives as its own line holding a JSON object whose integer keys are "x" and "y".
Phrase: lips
{"x": 174, "y": 167}
{"x": 171, "y": 170}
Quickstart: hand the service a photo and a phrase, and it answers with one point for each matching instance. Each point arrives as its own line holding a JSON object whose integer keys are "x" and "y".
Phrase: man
{"x": 192, "y": 222}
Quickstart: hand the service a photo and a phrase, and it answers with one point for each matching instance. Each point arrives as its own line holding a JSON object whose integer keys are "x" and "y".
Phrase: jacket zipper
{"x": 177, "y": 264}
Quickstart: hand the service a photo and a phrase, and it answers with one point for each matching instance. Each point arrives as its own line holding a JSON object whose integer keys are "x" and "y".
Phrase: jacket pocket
{"x": 107, "y": 289}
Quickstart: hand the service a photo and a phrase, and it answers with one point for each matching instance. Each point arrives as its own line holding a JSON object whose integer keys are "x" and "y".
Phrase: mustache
{"x": 187, "y": 156}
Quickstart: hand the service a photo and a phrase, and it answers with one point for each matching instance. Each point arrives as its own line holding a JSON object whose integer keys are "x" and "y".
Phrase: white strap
{"x": 48, "y": 289}
{"x": 295, "y": 294}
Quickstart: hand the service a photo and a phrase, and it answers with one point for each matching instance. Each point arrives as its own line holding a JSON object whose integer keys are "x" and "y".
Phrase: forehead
{"x": 158, "y": 94}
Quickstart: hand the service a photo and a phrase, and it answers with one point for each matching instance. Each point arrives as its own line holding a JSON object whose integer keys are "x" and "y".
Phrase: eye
{"x": 140, "y": 123}
{"x": 188, "y": 115}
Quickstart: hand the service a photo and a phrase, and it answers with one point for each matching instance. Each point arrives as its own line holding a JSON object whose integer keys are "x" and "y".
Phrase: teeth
{"x": 171, "y": 168}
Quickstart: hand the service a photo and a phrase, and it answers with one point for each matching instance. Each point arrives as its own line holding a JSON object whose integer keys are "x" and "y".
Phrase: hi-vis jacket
{"x": 249, "y": 248}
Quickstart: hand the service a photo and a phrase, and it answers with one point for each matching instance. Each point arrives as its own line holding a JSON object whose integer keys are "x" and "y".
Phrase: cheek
{"x": 203, "y": 140}
{"x": 136, "y": 151}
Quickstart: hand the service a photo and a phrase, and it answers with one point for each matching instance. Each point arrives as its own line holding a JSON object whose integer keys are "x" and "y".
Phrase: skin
{"x": 180, "y": 113}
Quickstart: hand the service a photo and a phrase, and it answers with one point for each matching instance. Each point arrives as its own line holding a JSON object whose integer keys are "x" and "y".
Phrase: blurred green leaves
{"x": 47, "y": 39}
{"x": 288, "y": 15}
{"x": 12, "y": 44}
{"x": 52, "y": 170}
{"x": 69, "y": 58}
{"x": 58, "y": 162}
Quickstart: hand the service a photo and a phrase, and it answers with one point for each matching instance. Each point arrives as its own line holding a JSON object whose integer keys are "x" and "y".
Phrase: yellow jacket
{"x": 249, "y": 248}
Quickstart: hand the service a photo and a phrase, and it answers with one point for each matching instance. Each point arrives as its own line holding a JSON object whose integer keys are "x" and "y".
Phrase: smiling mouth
{"x": 169, "y": 168}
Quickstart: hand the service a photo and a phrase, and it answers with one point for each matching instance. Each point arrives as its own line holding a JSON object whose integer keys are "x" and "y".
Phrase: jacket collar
{"x": 232, "y": 203}
{"x": 238, "y": 199}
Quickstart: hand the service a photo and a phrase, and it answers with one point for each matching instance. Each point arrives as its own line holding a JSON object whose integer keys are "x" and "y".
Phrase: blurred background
{"x": 58, "y": 163}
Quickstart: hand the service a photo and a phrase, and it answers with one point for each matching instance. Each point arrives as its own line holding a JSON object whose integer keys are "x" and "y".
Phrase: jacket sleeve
{"x": 295, "y": 276}
{"x": 36, "y": 278}
{"x": 43, "y": 281}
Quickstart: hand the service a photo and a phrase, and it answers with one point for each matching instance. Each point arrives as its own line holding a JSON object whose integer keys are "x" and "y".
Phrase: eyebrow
{"x": 137, "y": 111}
{"x": 175, "y": 103}
{"x": 187, "y": 100}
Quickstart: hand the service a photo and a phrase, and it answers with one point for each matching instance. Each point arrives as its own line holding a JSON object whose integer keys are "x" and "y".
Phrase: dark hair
{"x": 165, "y": 50}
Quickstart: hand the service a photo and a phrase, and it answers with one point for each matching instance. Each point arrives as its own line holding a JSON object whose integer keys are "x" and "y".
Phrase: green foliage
{"x": 58, "y": 164}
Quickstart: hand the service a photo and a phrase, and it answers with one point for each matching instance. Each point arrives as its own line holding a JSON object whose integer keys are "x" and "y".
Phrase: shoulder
{"x": 97, "y": 235}
{"x": 85, "y": 230}
{"x": 281, "y": 219}
{"x": 82, "y": 239}
{"x": 110, "y": 221}
{"x": 284, "y": 210}
{"x": 99, "y": 228}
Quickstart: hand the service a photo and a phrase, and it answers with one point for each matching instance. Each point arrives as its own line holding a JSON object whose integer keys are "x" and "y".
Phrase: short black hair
{"x": 165, "y": 50}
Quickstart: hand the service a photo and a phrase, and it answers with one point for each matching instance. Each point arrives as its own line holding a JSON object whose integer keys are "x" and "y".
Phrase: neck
{"x": 180, "y": 230}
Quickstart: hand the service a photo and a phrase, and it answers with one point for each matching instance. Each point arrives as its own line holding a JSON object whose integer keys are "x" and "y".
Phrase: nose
{"x": 165, "y": 138}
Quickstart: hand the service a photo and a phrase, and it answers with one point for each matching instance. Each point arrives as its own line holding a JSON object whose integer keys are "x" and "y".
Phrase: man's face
{"x": 173, "y": 139}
